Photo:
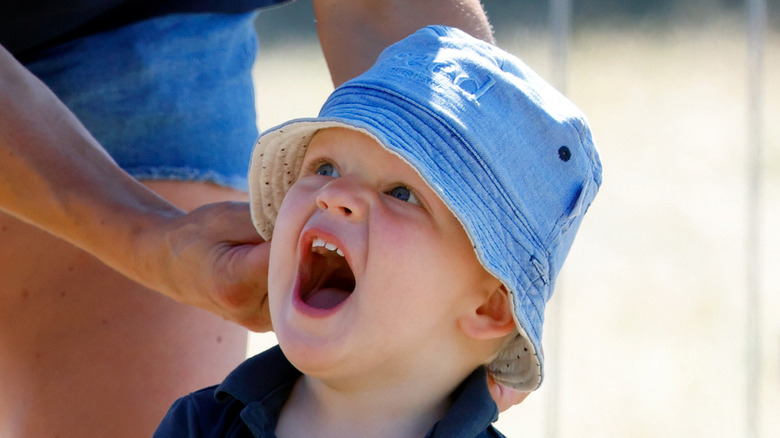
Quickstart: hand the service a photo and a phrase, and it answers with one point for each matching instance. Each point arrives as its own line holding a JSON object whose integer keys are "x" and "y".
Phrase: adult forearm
{"x": 353, "y": 32}
{"x": 54, "y": 174}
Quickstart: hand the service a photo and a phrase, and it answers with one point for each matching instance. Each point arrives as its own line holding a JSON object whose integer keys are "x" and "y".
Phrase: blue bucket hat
{"x": 511, "y": 157}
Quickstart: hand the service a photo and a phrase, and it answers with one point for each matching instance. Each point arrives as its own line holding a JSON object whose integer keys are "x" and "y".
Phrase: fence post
{"x": 756, "y": 25}
{"x": 560, "y": 24}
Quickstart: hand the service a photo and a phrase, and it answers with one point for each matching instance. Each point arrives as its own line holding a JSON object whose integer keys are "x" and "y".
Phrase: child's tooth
{"x": 318, "y": 243}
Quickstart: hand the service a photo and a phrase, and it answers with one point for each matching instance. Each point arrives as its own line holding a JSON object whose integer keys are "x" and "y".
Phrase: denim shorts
{"x": 170, "y": 98}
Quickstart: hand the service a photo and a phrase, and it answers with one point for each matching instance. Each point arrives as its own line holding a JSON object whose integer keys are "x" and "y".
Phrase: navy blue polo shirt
{"x": 248, "y": 403}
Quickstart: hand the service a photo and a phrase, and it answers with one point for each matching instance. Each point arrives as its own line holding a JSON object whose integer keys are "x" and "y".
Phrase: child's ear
{"x": 492, "y": 319}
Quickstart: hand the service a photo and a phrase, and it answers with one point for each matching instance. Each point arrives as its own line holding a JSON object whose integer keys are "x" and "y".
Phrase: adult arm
{"x": 54, "y": 175}
{"x": 352, "y": 33}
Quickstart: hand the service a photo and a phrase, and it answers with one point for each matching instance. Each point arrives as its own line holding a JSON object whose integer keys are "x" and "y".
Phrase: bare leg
{"x": 85, "y": 352}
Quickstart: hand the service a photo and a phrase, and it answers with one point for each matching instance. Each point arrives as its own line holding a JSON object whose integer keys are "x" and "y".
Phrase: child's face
{"x": 395, "y": 272}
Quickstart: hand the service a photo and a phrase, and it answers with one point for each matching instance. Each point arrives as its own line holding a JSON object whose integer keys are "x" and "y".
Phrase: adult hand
{"x": 505, "y": 397}
{"x": 212, "y": 258}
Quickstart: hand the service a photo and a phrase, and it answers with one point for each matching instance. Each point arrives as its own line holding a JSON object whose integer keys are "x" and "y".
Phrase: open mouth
{"x": 330, "y": 280}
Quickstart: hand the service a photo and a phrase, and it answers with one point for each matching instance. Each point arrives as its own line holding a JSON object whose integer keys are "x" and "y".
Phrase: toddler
{"x": 418, "y": 225}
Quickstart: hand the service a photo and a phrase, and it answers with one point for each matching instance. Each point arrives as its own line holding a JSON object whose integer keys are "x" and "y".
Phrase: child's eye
{"x": 404, "y": 194}
{"x": 327, "y": 169}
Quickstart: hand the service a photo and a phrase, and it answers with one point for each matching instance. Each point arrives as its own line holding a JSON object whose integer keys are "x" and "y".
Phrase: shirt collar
{"x": 473, "y": 409}
{"x": 263, "y": 383}
{"x": 258, "y": 376}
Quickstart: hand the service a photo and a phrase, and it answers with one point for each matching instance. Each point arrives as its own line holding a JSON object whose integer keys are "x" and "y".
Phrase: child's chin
{"x": 318, "y": 362}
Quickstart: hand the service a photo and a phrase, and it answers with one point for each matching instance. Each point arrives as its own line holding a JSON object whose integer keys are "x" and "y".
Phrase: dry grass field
{"x": 646, "y": 334}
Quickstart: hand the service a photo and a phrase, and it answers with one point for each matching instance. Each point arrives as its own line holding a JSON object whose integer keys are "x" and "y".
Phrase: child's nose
{"x": 343, "y": 196}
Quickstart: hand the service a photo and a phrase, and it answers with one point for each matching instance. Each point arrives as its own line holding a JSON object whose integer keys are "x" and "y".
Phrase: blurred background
{"x": 666, "y": 320}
